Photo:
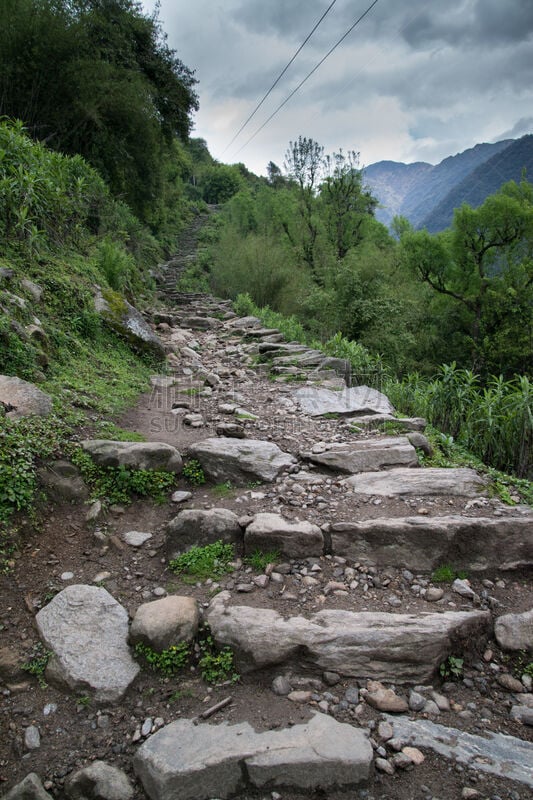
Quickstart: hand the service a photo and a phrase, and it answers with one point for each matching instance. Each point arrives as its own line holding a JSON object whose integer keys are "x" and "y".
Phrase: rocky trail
{"x": 355, "y": 675}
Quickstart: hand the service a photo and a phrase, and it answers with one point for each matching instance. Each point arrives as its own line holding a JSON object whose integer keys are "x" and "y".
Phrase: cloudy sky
{"x": 416, "y": 80}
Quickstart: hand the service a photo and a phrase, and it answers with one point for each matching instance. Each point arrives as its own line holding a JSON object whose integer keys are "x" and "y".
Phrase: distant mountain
{"x": 506, "y": 165}
{"x": 427, "y": 194}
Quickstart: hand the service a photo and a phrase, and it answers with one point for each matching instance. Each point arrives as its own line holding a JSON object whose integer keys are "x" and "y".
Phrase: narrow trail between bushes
{"x": 368, "y": 665}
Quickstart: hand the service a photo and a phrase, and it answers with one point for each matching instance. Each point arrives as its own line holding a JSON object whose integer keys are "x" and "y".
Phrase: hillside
{"x": 505, "y": 165}
{"x": 417, "y": 190}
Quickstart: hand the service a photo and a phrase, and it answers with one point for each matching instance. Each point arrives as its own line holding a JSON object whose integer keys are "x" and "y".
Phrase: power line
{"x": 280, "y": 76}
{"x": 363, "y": 15}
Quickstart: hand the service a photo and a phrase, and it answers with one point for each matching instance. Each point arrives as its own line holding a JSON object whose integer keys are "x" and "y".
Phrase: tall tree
{"x": 96, "y": 77}
{"x": 348, "y": 203}
{"x": 303, "y": 164}
{"x": 486, "y": 255}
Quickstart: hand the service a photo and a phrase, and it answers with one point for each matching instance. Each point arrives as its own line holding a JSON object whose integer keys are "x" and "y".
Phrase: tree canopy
{"x": 97, "y": 78}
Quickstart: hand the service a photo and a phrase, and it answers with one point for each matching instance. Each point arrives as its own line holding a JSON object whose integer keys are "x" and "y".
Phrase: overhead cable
{"x": 363, "y": 15}
{"x": 280, "y": 76}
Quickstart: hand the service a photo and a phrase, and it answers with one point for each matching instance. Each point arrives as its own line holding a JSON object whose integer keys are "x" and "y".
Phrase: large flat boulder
{"x": 403, "y": 648}
{"x": 199, "y": 762}
{"x": 87, "y": 631}
{"x": 366, "y": 455}
{"x": 240, "y": 460}
{"x": 460, "y": 482}
{"x": 349, "y": 402}
{"x": 23, "y": 399}
{"x": 123, "y": 318}
{"x": 196, "y": 526}
{"x": 495, "y": 753}
{"x": 269, "y": 532}
{"x": 137, "y": 455}
{"x": 422, "y": 543}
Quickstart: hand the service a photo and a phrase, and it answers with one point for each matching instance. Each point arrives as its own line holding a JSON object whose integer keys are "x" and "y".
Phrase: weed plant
{"x": 216, "y": 665}
{"x": 259, "y": 560}
{"x": 168, "y": 662}
{"x": 209, "y": 561}
{"x": 37, "y": 663}
{"x": 121, "y": 484}
{"x": 193, "y": 473}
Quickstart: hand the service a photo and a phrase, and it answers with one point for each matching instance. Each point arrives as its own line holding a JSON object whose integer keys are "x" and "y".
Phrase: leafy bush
{"x": 37, "y": 663}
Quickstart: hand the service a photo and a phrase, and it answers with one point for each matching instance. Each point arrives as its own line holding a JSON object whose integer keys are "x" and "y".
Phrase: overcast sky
{"x": 417, "y": 80}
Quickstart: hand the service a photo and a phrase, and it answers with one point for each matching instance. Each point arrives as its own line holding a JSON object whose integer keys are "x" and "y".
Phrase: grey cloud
{"x": 520, "y": 128}
{"x": 288, "y": 19}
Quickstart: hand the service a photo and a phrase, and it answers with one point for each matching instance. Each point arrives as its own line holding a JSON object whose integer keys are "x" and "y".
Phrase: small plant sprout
{"x": 452, "y": 668}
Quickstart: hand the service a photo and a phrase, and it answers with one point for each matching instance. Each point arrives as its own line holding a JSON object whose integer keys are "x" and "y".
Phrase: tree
{"x": 348, "y": 203}
{"x": 487, "y": 254}
{"x": 96, "y": 77}
{"x": 303, "y": 164}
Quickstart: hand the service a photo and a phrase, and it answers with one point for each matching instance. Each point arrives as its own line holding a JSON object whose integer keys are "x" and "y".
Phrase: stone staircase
{"x": 357, "y": 527}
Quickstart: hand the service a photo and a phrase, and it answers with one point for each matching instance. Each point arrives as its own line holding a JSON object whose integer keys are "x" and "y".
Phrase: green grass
{"x": 223, "y": 489}
{"x": 258, "y": 560}
{"x": 209, "y": 561}
{"x": 447, "y": 574}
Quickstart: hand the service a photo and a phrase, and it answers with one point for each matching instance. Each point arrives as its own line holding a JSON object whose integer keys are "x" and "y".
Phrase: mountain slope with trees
{"x": 427, "y": 195}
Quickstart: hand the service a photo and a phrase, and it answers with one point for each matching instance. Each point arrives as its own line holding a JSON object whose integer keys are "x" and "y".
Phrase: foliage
{"x": 446, "y": 574}
{"x": 223, "y": 489}
{"x": 120, "y": 484}
{"x": 494, "y": 422}
{"x": 108, "y": 430}
{"x": 98, "y": 79}
{"x": 209, "y": 561}
{"x": 216, "y": 665}
{"x": 452, "y": 668}
{"x": 169, "y": 661}
{"x": 259, "y": 560}
{"x": 193, "y": 473}
{"x": 484, "y": 263}
{"x": 22, "y": 443}
{"x": 37, "y": 663}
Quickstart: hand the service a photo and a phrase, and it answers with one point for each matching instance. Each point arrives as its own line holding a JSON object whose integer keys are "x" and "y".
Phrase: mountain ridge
{"x": 427, "y": 194}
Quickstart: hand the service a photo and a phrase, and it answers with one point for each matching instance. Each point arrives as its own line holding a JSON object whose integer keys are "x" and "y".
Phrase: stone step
{"x": 423, "y": 543}
{"x": 349, "y": 402}
{"x": 400, "y": 648}
{"x": 240, "y": 460}
{"x": 460, "y": 482}
{"x": 372, "y": 421}
{"x": 494, "y": 753}
{"x": 199, "y": 761}
{"x": 366, "y": 455}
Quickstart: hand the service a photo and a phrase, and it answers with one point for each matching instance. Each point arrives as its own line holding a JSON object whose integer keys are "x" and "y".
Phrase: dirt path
{"x": 211, "y": 372}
